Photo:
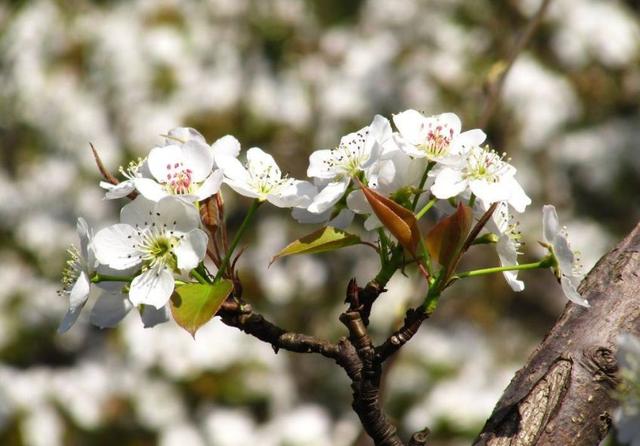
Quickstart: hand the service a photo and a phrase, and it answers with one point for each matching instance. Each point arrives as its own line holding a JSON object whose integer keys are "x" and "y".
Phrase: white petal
{"x": 489, "y": 193}
{"x": 227, "y": 145}
{"x": 120, "y": 190}
{"x": 379, "y": 132}
{"x": 150, "y": 189}
{"x": 508, "y": 255}
{"x": 162, "y": 159}
{"x": 550, "y": 223}
{"x": 110, "y": 309}
{"x": 319, "y": 165}
{"x": 243, "y": 189}
{"x": 114, "y": 246}
{"x": 411, "y": 125}
{"x": 329, "y": 196}
{"x": 357, "y": 202}
{"x": 449, "y": 183}
{"x": 232, "y": 169}
{"x": 449, "y": 120}
{"x": 152, "y": 316}
{"x": 211, "y": 185}
{"x": 176, "y": 213}
{"x": 299, "y": 194}
{"x": 77, "y": 299}
{"x": 372, "y": 223}
{"x": 184, "y": 134}
{"x": 465, "y": 140}
{"x": 343, "y": 220}
{"x": 564, "y": 254}
{"x": 84, "y": 235}
{"x": 518, "y": 199}
{"x": 137, "y": 213}
{"x": 153, "y": 287}
{"x": 199, "y": 159}
{"x": 260, "y": 161}
{"x": 303, "y": 216}
{"x": 570, "y": 290}
{"x": 191, "y": 250}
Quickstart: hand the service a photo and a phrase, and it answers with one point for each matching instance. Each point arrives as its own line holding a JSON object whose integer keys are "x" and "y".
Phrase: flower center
{"x": 72, "y": 269}
{"x": 484, "y": 164}
{"x": 178, "y": 179}
{"x": 265, "y": 179}
{"x": 132, "y": 170}
{"x": 350, "y": 154}
{"x": 156, "y": 247}
{"x": 438, "y": 140}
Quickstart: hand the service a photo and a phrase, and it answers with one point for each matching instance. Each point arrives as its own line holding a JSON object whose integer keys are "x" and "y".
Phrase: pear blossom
{"x": 437, "y": 138}
{"x": 160, "y": 238}
{"x": 111, "y": 306}
{"x": 76, "y": 277}
{"x": 356, "y": 152}
{"x": 182, "y": 169}
{"x": 261, "y": 178}
{"x": 485, "y": 173}
{"x": 566, "y": 268}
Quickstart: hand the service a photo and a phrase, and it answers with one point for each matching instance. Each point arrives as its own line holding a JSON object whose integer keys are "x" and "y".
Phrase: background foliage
{"x": 290, "y": 76}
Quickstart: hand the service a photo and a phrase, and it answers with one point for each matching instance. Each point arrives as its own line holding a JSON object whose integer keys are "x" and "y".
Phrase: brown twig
{"x": 412, "y": 322}
{"x": 494, "y": 87}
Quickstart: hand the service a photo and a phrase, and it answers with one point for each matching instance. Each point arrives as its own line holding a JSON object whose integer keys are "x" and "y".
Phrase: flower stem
{"x": 426, "y": 208}
{"x": 498, "y": 269}
{"x": 97, "y": 278}
{"x": 423, "y": 180}
{"x": 234, "y": 243}
{"x": 199, "y": 277}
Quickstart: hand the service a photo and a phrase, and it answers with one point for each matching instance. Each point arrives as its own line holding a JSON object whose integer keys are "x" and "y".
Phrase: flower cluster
{"x": 392, "y": 178}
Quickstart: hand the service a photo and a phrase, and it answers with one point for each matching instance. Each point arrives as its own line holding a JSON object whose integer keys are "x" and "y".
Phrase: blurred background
{"x": 291, "y": 76}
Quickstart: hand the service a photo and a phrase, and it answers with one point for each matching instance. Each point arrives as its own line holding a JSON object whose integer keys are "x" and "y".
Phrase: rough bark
{"x": 562, "y": 396}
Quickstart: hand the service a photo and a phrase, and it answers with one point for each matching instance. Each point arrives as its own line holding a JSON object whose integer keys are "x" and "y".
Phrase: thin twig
{"x": 412, "y": 322}
{"x": 495, "y": 87}
{"x": 103, "y": 170}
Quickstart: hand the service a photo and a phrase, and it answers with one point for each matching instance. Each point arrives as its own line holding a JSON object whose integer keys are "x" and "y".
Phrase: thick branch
{"x": 563, "y": 394}
{"x": 244, "y": 318}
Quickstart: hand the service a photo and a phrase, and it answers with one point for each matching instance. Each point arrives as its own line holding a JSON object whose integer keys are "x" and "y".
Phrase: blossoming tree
{"x": 420, "y": 196}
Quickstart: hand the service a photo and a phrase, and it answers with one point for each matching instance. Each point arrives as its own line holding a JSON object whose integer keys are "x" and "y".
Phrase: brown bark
{"x": 562, "y": 396}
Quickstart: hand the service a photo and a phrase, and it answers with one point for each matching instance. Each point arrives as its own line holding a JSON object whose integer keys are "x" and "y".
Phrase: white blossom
{"x": 184, "y": 168}
{"x": 76, "y": 277}
{"x": 566, "y": 269}
{"x": 509, "y": 241}
{"x": 135, "y": 169}
{"x": 485, "y": 174}
{"x": 261, "y": 178}
{"x": 437, "y": 138}
{"x": 161, "y": 238}
{"x": 356, "y": 152}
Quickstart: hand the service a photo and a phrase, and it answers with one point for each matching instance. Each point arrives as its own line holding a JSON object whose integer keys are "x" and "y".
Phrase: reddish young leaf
{"x": 447, "y": 237}
{"x": 399, "y": 220}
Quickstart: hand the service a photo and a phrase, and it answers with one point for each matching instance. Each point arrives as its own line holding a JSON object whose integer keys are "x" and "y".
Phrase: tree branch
{"x": 412, "y": 322}
{"x": 494, "y": 87}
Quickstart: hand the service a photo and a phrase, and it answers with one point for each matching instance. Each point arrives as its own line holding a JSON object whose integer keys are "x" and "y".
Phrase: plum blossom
{"x": 160, "y": 237}
{"x": 485, "y": 174}
{"x": 356, "y": 152}
{"x": 76, "y": 277}
{"x": 437, "y": 138}
{"x": 261, "y": 178}
{"x": 566, "y": 267}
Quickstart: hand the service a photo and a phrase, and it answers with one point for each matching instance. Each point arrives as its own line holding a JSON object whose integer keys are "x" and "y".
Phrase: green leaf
{"x": 447, "y": 237}
{"x": 323, "y": 240}
{"x": 194, "y": 304}
{"x": 399, "y": 220}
